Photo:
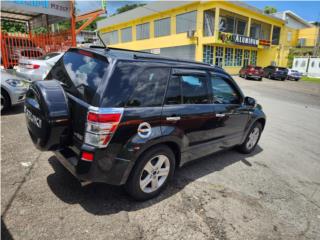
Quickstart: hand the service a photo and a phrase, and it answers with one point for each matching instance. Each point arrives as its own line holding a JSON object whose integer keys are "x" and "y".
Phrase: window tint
{"x": 149, "y": 88}
{"x": 194, "y": 90}
{"x": 80, "y": 73}
{"x": 223, "y": 92}
{"x": 174, "y": 91}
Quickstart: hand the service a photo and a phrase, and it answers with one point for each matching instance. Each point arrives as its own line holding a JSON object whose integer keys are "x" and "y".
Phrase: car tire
{"x": 260, "y": 79}
{"x": 146, "y": 171}
{"x": 252, "y": 139}
{"x": 269, "y": 76}
{"x": 5, "y": 101}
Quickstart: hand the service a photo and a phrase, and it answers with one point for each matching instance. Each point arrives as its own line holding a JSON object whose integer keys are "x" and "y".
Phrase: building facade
{"x": 223, "y": 33}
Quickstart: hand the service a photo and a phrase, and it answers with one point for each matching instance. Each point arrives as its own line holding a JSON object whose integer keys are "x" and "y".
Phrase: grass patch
{"x": 309, "y": 79}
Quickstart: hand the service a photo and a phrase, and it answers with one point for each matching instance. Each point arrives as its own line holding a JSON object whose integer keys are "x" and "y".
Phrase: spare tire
{"x": 47, "y": 114}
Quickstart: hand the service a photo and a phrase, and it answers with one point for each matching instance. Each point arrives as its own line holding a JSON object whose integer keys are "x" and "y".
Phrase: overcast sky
{"x": 309, "y": 10}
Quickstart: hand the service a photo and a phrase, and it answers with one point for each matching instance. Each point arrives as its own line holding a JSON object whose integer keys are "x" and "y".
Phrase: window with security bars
{"x": 208, "y": 54}
{"x": 143, "y": 31}
{"x": 238, "y": 57}
{"x": 228, "y": 58}
{"x": 246, "y": 57}
{"x": 219, "y": 56}
{"x": 253, "y": 59}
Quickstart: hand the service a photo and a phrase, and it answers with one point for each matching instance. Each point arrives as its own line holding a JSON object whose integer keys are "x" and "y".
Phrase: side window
{"x": 194, "y": 90}
{"x": 223, "y": 92}
{"x": 149, "y": 88}
{"x": 174, "y": 91}
{"x": 187, "y": 89}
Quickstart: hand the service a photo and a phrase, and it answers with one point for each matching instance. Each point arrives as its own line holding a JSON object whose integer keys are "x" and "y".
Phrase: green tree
{"x": 12, "y": 26}
{"x": 269, "y": 10}
{"x": 128, "y": 7}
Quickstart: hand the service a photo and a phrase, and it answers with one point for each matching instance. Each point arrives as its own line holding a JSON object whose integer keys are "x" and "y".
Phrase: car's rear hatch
{"x": 80, "y": 73}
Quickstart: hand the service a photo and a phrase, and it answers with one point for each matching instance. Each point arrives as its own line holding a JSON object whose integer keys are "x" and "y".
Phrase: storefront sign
{"x": 264, "y": 42}
{"x": 238, "y": 39}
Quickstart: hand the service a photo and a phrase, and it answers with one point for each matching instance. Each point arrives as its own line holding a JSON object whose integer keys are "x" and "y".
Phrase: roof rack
{"x": 156, "y": 57}
{"x": 129, "y": 50}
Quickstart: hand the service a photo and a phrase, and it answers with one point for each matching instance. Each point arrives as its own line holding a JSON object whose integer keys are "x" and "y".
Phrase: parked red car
{"x": 251, "y": 71}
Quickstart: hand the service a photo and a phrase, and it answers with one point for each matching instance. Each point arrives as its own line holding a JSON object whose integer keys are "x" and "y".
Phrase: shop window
{"x": 230, "y": 22}
{"x": 246, "y": 57}
{"x": 110, "y": 37}
{"x": 186, "y": 21}
{"x": 253, "y": 58}
{"x": 228, "y": 60}
{"x": 219, "y": 56}
{"x": 126, "y": 34}
{"x": 162, "y": 27}
{"x": 208, "y": 23}
{"x": 238, "y": 57}
{"x": 241, "y": 27}
{"x": 143, "y": 31}
{"x": 208, "y": 54}
{"x": 276, "y": 35}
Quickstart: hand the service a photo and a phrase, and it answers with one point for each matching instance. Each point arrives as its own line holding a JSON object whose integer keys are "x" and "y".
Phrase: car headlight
{"x": 17, "y": 83}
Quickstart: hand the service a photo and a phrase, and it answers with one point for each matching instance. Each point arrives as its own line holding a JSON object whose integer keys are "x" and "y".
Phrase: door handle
{"x": 220, "y": 115}
{"x": 173, "y": 118}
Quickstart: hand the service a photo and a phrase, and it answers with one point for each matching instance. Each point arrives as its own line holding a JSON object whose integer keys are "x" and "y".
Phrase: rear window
{"x": 80, "y": 72}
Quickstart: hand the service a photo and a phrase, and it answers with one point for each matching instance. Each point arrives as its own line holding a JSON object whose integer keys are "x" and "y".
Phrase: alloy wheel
{"x": 154, "y": 173}
{"x": 253, "y": 138}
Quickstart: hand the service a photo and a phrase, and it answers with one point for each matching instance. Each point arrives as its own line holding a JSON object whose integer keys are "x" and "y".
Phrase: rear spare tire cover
{"x": 47, "y": 114}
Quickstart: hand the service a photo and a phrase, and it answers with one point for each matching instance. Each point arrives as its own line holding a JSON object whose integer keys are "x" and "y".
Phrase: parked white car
{"x": 13, "y": 89}
{"x": 37, "y": 69}
{"x": 294, "y": 75}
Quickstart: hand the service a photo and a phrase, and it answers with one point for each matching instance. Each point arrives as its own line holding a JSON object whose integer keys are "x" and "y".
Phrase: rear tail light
{"x": 32, "y": 66}
{"x": 87, "y": 156}
{"x": 100, "y": 127}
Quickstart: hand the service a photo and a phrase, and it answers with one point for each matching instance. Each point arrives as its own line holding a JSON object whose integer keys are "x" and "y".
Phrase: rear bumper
{"x": 110, "y": 171}
{"x": 255, "y": 76}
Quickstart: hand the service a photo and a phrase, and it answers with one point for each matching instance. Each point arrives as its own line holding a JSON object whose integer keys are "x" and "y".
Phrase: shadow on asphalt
{"x": 103, "y": 199}
{"x": 17, "y": 109}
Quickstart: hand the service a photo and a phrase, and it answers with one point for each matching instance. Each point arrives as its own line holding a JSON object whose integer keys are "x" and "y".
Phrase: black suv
{"x": 274, "y": 72}
{"x": 131, "y": 118}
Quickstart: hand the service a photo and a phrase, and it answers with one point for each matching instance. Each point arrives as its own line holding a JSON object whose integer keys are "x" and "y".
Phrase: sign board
{"x": 49, "y": 7}
{"x": 238, "y": 39}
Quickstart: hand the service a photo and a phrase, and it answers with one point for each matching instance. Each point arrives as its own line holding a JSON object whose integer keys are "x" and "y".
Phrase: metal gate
{"x": 18, "y": 45}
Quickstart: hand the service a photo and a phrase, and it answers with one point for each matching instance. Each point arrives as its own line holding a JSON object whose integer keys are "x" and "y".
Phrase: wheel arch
{"x": 5, "y": 91}
{"x": 262, "y": 121}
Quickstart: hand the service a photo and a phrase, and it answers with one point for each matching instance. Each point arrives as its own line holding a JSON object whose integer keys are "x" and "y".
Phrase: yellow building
{"x": 228, "y": 34}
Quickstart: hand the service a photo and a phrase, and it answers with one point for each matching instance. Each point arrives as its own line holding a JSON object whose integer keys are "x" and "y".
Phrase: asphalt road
{"x": 273, "y": 193}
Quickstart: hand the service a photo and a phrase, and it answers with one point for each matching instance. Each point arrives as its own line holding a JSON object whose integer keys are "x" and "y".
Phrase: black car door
{"x": 230, "y": 112}
{"x": 188, "y": 113}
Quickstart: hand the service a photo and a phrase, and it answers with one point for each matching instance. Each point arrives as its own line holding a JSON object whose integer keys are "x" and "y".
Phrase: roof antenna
{"x": 105, "y": 46}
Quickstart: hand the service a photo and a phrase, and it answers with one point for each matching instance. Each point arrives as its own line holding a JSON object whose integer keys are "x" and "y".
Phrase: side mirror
{"x": 249, "y": 101}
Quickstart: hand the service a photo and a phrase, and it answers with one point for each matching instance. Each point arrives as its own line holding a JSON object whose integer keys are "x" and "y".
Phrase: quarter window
{"x": 149, "y": 88}
{"x": 223, "y": 92}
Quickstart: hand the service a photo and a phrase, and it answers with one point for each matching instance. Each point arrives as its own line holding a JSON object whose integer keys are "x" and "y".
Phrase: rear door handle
{"x": 220, "y": 115}
{"x": 173, "y": 118}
